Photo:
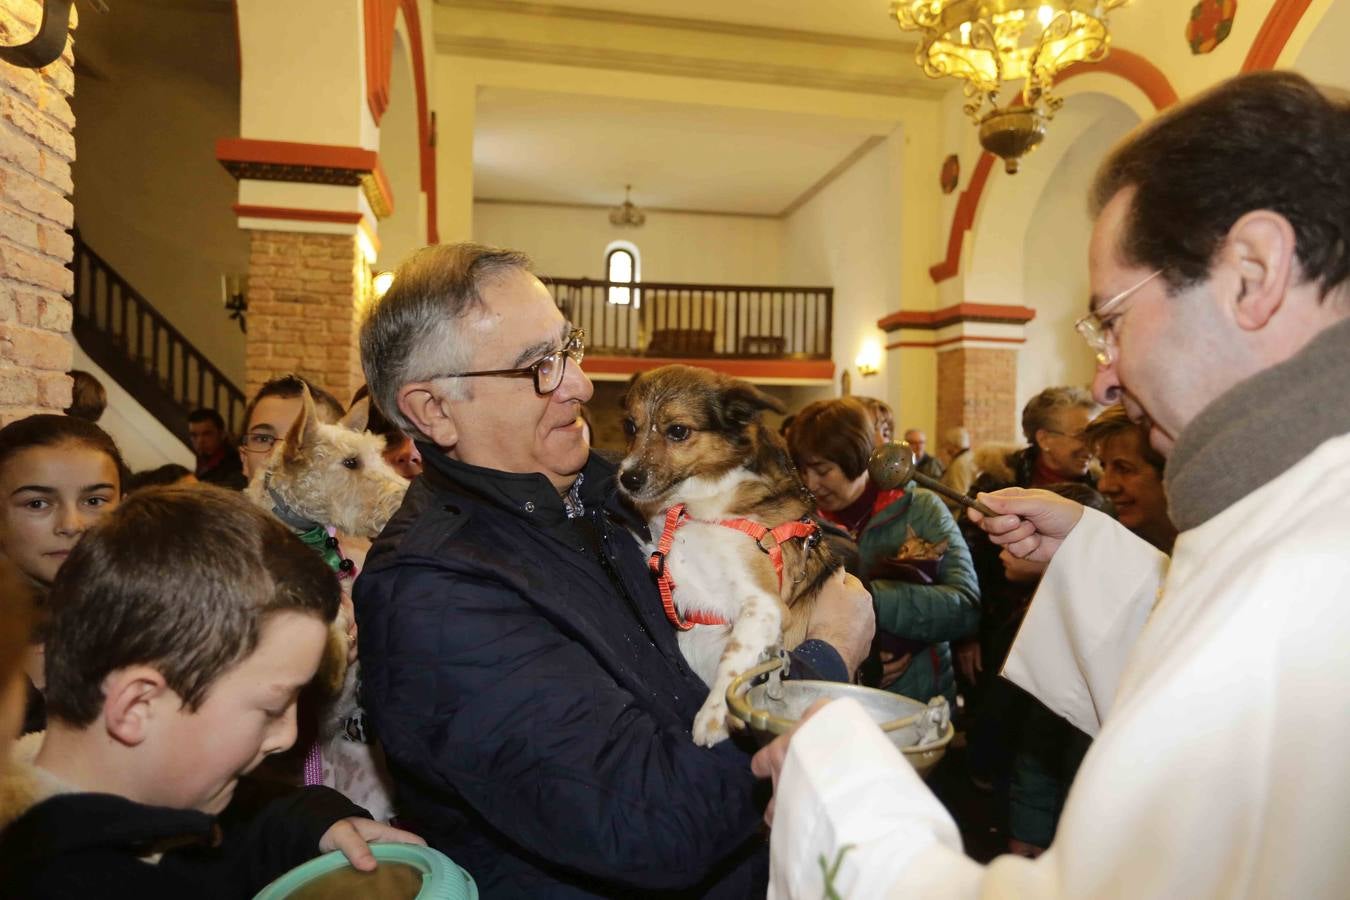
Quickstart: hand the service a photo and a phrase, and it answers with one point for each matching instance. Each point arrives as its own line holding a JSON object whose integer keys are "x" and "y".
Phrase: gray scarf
{"x": 1260, "y": 428}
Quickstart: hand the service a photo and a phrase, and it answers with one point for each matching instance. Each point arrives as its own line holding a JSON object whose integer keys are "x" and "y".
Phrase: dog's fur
{"x": 330, "y": 475}
{"x": 695, "y": 437}
{"x": 322, "y": 474}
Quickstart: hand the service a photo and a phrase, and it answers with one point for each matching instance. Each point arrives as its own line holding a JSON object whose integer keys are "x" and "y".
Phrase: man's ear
{"x": 434, "y": 417}
{"x": 304, "y": 430}
{"x": 129, "y": 702}
{"x": 1261, "y": 249}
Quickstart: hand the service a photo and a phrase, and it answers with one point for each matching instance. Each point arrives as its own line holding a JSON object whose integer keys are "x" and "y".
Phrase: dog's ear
{"x": 741, "y": 403}
{"x": 358, "y": 416}
{"x": 304, "y": 430}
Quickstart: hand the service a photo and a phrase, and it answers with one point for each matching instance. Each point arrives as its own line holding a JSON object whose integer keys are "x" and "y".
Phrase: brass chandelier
{"x": 627, "y": 215}
{"x": 991, "y": 44}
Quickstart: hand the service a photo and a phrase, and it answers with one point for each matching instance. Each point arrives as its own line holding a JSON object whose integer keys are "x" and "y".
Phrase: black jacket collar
{"x": 530, "y": 496}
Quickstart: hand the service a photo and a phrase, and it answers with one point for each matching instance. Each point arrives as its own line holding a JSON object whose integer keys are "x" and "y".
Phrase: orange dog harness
{"x": 675, "y": 517}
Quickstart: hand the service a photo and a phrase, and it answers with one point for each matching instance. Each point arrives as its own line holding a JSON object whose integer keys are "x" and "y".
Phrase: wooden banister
{"x": 167, "y": 374}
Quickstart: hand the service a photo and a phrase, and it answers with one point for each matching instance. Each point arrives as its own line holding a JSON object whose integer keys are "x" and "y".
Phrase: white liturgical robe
{"x": 1220, "y": 701}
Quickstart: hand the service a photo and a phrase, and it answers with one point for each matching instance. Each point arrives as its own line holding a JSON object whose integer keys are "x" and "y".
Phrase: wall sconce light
{"x": 234, "y": 294}
{"x": 869, "y": 358}
{"x": 380, "y": 284}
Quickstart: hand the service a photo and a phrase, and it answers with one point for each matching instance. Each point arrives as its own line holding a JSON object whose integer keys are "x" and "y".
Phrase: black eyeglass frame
{"x": 574, "y": 348}
{"x": 246, "y": 436}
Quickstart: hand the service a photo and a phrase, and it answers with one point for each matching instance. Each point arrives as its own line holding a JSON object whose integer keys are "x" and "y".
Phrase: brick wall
{"x": 977, "y": 388}
{"x": 36, "y": 149}
{"x": 306, "y": 294}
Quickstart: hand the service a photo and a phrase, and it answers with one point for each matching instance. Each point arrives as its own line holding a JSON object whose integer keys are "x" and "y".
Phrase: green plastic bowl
{"x": 440, "y": 878}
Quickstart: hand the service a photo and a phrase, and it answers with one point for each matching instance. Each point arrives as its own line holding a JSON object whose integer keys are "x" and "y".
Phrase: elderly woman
{"x": 920, "y": 608}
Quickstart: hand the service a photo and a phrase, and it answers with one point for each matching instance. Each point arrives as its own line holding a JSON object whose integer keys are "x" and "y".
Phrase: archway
{"x": 1053, "y": 252}
{"x": 402, "y": 232}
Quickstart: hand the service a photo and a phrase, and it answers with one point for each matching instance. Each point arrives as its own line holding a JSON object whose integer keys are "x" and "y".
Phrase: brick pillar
{"x": 977, "y": 388}
{"x": 306, "y": 295}
{"x": 36, "y": 148}
{"x": 975, "y": 349}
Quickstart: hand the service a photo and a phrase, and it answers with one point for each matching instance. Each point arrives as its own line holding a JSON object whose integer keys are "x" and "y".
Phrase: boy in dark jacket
{"x": 182, "y": 630}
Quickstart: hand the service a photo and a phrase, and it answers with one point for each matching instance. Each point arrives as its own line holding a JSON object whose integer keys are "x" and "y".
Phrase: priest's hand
{"x": 1031, "y": 523}
{"x": 768, "y": 762}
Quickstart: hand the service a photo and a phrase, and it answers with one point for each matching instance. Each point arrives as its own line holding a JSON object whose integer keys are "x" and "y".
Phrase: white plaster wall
{"x": 145, "y": 444}
{"x": 161, "y": 86}
{"x": 405, "y": 230}
{"x": 1323, "y": 57}
{"x": 1054, "y": 259}
{"x": 570, "y": 243}
{"x": 304, "y": 71}
{"x": 848, "y": 236}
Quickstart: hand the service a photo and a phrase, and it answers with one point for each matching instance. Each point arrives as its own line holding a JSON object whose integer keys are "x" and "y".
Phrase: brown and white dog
{"x": 728, "y": 515}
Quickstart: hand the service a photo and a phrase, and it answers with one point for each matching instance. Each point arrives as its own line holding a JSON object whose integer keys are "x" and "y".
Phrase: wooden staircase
{"x": 135, "y": 344}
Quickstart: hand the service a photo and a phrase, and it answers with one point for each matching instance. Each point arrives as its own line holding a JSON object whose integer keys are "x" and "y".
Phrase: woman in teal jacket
{"x": 920, "y": 607}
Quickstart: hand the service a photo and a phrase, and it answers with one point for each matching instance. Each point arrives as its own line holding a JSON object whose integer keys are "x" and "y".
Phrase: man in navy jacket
{"x": 517, "y": 665}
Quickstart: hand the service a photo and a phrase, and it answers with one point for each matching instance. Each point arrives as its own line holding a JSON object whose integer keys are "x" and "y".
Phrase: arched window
{"x": 622, "y": 266}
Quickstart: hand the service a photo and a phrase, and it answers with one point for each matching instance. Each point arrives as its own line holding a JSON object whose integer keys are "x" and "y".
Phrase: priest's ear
{"x": 1260, "y": 254}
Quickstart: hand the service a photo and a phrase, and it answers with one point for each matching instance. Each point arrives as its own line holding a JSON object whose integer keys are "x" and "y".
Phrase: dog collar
{"x": 311, "y": 533}
{"x": 803, "y": 528}
{"x": 283, "y": 512}
{"x": 326, "y": 545}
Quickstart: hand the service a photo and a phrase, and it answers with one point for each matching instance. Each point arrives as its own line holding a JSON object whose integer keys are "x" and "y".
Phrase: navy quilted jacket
{"x": 533, "y": 703}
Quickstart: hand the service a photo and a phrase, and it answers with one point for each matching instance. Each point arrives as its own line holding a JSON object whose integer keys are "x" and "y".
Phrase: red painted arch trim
{"x": 380, "y": 18}
{"x": 962, "y": 312}
{"x": 1275, "y": 32}
{"x": 1135, "y": 69}
{"x": 1131, "y": 66}
{"x": 947, "y": 342}
{"x": 296, "y": 215}
{"x": 291, "y": 153}
{"x": 815, "y": 369}
{"x": 962, "y": 219}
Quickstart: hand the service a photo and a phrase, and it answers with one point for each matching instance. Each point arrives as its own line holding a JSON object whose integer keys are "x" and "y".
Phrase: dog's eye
{"x": 630, "y": 428}
{"x": 352, "y": 462}
{"x": 678, "y": 432}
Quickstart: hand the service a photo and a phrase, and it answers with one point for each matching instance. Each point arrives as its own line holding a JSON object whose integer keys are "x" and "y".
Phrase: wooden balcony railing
{"x": 698, "y": 320}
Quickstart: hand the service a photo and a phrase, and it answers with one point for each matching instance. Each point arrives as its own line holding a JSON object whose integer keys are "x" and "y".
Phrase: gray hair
{"x": 1040, "y": 410}
{"x": 957, "y": 437}
{"x": 416, "y": 331}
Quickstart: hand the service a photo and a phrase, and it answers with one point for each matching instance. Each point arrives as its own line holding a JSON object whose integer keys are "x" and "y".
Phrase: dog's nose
{"x": 633, "y": 479}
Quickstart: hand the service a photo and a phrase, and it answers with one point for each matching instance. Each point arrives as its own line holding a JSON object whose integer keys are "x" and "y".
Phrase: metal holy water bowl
{"x": 921, "y": 731}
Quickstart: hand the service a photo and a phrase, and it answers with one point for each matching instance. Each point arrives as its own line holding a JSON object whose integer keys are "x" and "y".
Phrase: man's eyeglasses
{"x": 547, "y": 372}
{"x": 1095, "y": 327}
{"x": 258, "y": 441}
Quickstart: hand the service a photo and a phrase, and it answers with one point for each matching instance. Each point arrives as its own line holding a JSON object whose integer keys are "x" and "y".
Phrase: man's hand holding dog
{"x": 844, "y": 619}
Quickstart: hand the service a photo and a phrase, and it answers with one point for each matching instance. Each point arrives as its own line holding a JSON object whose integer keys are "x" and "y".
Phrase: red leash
{"x": 675, "y": 517}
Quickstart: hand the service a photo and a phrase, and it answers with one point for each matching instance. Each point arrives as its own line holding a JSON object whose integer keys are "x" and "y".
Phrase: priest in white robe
{"x": 1217, "y": 685}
